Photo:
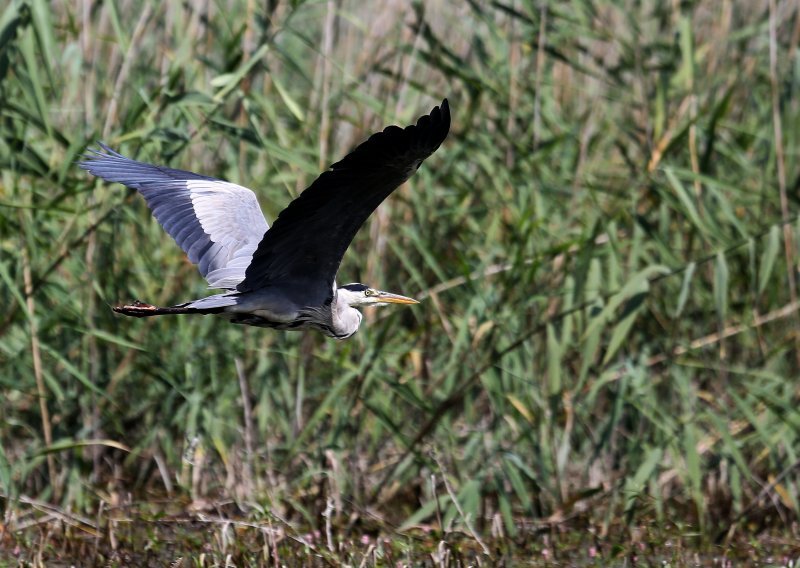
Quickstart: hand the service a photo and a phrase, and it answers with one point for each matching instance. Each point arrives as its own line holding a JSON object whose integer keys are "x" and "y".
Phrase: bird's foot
{"x": 136, "y": 309}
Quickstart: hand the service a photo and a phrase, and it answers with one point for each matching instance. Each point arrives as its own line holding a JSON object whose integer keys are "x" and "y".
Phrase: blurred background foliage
{"x": 606, "y": 249}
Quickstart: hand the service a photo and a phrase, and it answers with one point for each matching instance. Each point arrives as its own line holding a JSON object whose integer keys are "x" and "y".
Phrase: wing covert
{"x": 217, "y": 224}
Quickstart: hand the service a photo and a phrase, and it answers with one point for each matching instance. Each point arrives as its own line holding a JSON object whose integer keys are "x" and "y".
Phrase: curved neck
{"x": 345, "y": 319}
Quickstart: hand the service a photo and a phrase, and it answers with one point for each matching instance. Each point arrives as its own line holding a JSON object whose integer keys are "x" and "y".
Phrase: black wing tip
{"x": 445, "y": 108}
{"x": 438, "y": 114}
{"x": 444, "y": 111}
{"x": 436, "y": 124}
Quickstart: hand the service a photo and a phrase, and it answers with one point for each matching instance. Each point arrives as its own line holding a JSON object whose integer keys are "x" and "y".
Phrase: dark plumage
{"x": 320, "y": 224}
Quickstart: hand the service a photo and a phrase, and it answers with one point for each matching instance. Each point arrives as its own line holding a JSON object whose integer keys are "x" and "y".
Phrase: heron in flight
{"x": 284, "y": 276}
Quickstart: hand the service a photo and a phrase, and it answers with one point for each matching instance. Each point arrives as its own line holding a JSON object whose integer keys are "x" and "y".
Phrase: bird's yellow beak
{"x": 390, "y": 298}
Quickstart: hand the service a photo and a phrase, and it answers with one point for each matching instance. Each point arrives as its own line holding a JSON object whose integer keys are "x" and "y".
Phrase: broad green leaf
{"x": 647, "y": 467}
{"x": 685, "y": 287}
{"x": 63, "y": 445}
{"x": 229, "y": 81}
{"x": 721, "y": 278}
{"x": 768, "y": 257}
{"x": 637, "y": 284}
{"x": 291, "y": 104}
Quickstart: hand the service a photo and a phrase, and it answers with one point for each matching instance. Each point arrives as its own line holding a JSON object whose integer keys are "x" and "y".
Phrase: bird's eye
{"x": 369, "y": 292}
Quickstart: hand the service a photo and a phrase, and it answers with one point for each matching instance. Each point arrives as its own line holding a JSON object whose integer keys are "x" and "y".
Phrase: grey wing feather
{"x": 217, "y": 224}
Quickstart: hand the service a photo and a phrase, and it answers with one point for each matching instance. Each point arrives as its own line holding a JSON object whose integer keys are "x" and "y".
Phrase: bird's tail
{"x": 141, "y": 310}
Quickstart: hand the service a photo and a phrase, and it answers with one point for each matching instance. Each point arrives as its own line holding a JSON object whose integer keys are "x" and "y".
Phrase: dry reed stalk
{"x": 36, "y": 356}
{"x": 326, "y": 54}
{"x": 128, "y": 59}
{"x": 540, "y": 62}
{"x": 454, "y": 499}
{"x": 244, "y": 387}
{"x": 777, "y": 124}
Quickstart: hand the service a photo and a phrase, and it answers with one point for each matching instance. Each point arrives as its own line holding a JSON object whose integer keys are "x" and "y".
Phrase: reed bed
{"x": 604, "y": 367}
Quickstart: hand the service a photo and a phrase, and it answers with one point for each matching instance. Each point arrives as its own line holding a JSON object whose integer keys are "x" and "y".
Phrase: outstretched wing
{"x": 216, "y": 223}
{"x": 306, "y": 243}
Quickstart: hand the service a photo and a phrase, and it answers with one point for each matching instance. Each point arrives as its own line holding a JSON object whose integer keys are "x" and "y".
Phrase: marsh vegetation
{"x": 604, "y": 368}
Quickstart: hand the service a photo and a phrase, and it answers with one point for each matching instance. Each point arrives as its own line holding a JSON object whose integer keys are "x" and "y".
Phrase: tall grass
{"x": 606, "y": 245}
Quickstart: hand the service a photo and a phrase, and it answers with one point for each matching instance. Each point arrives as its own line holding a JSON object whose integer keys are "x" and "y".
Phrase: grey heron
{"x": 284, "y": 276}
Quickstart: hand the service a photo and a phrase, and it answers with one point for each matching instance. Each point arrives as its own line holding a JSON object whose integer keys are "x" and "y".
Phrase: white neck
{"x": 344, "y": 318}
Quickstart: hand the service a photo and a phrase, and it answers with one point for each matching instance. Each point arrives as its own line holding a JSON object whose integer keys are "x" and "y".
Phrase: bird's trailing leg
{"x": 141, "y": 310}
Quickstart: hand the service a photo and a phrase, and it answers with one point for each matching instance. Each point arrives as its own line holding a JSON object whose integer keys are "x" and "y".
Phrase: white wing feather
{"x": 218, "y": 224}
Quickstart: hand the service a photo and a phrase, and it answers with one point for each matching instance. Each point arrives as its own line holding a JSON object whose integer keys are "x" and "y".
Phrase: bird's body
{"x": 268, "y": 307}
{"x": 281, "y": 277}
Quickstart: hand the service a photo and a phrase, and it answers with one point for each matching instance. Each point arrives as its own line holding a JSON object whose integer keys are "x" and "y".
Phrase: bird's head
{"x": 358, "y": 295}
